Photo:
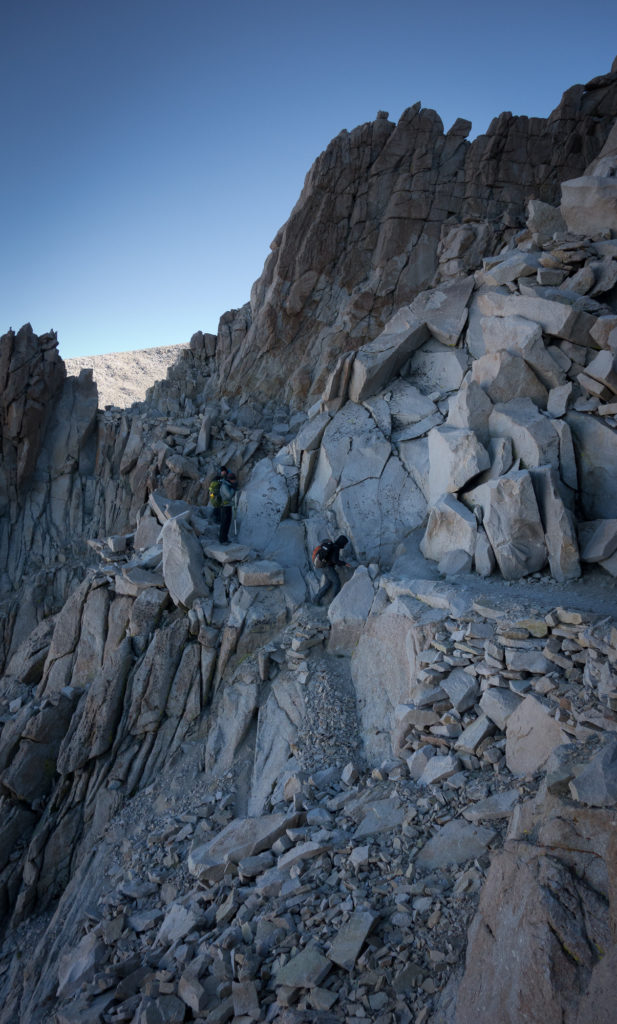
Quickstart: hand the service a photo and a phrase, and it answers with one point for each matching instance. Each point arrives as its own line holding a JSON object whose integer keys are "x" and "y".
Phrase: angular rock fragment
{"x": 511, "y": 518}
{"x": 450, "y": 526}
{"x": 531, "y": 735}
{"x": 379, "y": 360}
{"x": 455, "y": 457}
{"x": 454, "y": 843}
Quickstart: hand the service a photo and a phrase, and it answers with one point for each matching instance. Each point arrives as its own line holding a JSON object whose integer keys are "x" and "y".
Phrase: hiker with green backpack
{"x": 228, "y": 496}
{"x": 214, "y": 495}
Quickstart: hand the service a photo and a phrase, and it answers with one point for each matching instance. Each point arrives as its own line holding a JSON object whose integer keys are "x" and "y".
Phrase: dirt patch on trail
{"x": 124, "y": 377}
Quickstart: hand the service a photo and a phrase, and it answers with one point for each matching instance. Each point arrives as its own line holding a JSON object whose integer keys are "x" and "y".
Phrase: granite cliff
{"x": 221, "y": 802}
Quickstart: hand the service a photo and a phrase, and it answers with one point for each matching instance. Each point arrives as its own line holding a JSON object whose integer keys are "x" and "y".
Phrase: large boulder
{"x": 559, "y": 529}
{"x": 504, "y": 376}
{"x": 451, "y": 526}
{"x": 384, "y": 668}
{"x": 517, "y": 335}
{"x": 531, "y": 736}
{"x": 556, "y": 315}
{"x": 596, "y": 454}
{"x": 349, "y": 611}
{"x": 534, "y": 439}
{"x": 455, "y": 457}
{"x": 380, "y": 360}
{"x": 183, "y": 563}
{"x": 539, "y": 944}
{"x": 262, "y": 502}
{"x": 512, "y": 522}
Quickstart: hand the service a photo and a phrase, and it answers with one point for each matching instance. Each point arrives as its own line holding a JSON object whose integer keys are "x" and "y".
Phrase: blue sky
{"x": 152, "y": 148}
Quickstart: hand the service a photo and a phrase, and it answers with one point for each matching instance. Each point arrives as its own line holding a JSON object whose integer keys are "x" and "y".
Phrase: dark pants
{"x": 216, "y": 513}
{"x": 225, "y": 511}
{"x": 329, "y": 579}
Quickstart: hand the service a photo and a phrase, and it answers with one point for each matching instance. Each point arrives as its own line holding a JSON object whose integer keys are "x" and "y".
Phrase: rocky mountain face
{"x": 387, "y": 210}
{"x": 220, "y": 801}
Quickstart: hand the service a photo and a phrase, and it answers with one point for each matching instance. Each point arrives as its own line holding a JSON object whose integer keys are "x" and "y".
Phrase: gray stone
{"x": 455, "y": 562}
{"x": 505, "y": 376}
{"x": 543, "y": 219}
{"x": 521, "y": 337}
{"x": 474, "y": 734}
{"x": 454, "y": 843}
{"x": 598, "y": 539}
{"x": 462, "y": 689}
{"x": 596, "y": 784}
{"x": 262, "y": 502}
{"x": 407, "y": 404}
{"x": 510, "y": 267}
{"x": 381, "y": 816}
{"x": 80, "y": 964}
{"x": 589, "y": 204}
{"x": 558, "y": 400}
{"x": 349, "y": 611}
{"x": 531, "y": 736}
{"x": 438, "y": 768}
{"x": 381, "y": 359}
{"x": 498, "y": 704}
{"x": 559, "y": 530}
{"x": 177, "y": 923}
{"x": 470, "y": 409}
{"x": 348, "y": 941}
{"x": 245, "y": 999}
{"x": 444, "y": 309}
{"x": 450, "y": 527}
{"x": 310, "y": 435}
{"x": 484, "y": 556}
{"x": 417, "y": 762}
{"x": 243, "y": 837}
{"x": 602, "y": 368}
{"x": 438, "y": 367}
{"x": 227, "y": 553}
{"x": 556, "y": 315}
{"x": 261, "y": 574}
{"x": 305, "y": 970}
{"x": 596, "y": 449}
{"x": 534, "y": 439}
{"x": 527, "y": 661}
{"x": 183, "y": 563}
{"x": 455, "y": 457}
{"x": 493, "y": 808}
{"x": 512, "y": 522}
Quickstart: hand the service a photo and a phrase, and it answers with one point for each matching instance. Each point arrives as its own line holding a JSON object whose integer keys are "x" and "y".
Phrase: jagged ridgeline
{"x": 220, "y": 801}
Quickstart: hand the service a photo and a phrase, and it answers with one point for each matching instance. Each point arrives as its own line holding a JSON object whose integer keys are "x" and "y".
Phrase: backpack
{"x": 214, "y": 493}
{"x": 227, "y": 492}
{"x": 322, "y": 554}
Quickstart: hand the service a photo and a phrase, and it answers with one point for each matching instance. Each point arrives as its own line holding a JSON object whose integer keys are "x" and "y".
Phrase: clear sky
{"x": 152, "y": 148}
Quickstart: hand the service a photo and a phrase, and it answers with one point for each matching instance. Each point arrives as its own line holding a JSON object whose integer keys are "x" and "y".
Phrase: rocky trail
{"x": 220, "y": 802}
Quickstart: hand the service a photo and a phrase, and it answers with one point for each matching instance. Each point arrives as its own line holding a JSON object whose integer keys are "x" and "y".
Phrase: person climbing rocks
{"x": 227, "y": 493}
{"x": 326, "y": 556}
{"x": 214, "y": 496}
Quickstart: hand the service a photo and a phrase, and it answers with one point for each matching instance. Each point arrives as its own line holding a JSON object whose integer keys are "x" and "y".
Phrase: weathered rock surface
{"x": 219, "y": 801}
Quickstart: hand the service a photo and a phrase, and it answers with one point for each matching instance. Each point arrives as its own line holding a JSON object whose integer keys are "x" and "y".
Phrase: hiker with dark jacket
{"x": 227, "y": 494}
{"x": 326, "y": 557}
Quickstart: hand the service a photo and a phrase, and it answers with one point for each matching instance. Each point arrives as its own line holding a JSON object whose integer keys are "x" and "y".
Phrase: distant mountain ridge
{"x": 124, "y": 377}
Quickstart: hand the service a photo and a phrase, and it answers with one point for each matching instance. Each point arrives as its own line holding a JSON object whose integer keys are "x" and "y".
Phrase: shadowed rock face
{"x": 379, "y": 208}
{"x": 31, "y": 376}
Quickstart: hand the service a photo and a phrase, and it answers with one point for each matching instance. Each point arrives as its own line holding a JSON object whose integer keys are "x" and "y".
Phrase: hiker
{"x": 326, "y": 557}
{"x": 214, "y": 496}
{"x": 227, "y": 494}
